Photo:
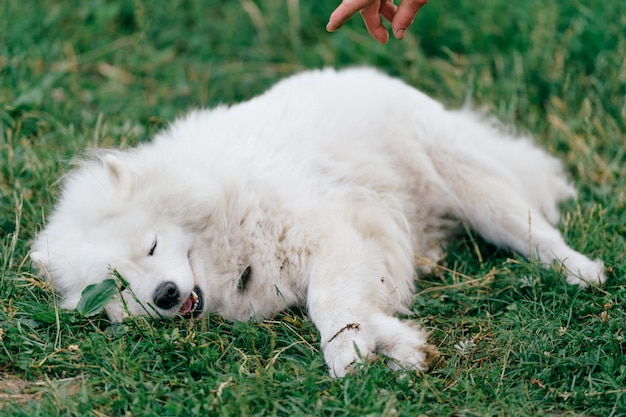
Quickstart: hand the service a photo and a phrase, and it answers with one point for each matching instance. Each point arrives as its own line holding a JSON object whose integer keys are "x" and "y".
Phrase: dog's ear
{"x": 36, "y": 257}
{"x": 39, "y": 260}
{"x": 121, "y": 175}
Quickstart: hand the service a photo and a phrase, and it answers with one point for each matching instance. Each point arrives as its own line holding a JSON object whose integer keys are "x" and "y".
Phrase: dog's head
{"x": 109, "y": 220}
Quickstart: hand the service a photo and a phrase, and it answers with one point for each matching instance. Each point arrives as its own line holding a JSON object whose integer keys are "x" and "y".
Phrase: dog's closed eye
{"x": 153, "y": 247}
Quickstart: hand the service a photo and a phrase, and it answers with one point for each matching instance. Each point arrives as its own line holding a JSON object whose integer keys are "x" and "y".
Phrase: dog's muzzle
{"x": 167, "y": 296}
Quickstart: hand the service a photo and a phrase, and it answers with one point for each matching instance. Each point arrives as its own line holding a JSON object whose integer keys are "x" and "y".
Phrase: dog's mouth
{"x": 192, "y": 306}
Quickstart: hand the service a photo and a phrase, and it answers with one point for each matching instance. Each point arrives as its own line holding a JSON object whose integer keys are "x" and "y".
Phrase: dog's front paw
{"x": 405, "y": 345}
{"x": 585, "y": 272}
{"x": 416, "y": 358}
{"x": 348, "y": 348}
{"x": 346, "y": 362}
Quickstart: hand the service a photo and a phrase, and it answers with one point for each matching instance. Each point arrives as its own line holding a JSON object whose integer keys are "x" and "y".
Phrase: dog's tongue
{"x": 187, "y": 305}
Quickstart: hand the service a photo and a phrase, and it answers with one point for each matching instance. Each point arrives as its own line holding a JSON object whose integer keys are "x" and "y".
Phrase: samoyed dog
{"x": 320, "y": 192}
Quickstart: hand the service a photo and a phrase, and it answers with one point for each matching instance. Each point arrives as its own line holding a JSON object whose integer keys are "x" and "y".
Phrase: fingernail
{"x": 400, "y": 33}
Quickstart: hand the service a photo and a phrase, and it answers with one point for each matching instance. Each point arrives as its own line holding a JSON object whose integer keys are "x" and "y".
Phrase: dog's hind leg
{"x": 492, "y": 201}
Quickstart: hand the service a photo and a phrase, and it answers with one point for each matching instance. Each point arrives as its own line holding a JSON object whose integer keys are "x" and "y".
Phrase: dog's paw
{"x": 417, "y": 358}
{"x": 402, "y": 343}
{"x": 348, "y": 362}
{"x": 348, "y": 348}
{"x": 405, "y": 345}
{"x": 585, "y": 272}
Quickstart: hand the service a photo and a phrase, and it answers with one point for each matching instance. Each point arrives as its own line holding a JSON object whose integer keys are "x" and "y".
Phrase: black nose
{"x": 166, "y": 295}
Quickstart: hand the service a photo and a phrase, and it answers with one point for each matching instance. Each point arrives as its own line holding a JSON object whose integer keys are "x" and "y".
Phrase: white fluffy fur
{"x": 326, "y": 186}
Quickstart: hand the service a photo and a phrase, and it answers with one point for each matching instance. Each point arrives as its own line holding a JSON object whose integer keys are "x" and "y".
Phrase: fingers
{"x": 373, "y": 22}
{"x": 388, "y": 9}
{"x": 401, "y": 17}
{"x": 343, "y": 12}
{"x": 404, "y": 16}
{"x": 370, "y": 12}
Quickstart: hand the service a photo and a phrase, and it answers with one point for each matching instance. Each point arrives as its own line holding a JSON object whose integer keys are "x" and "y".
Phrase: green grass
{"x": 515, "y": 339}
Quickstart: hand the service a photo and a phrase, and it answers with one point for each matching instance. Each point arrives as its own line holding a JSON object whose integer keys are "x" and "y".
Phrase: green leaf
{"x": 95, "y": 296}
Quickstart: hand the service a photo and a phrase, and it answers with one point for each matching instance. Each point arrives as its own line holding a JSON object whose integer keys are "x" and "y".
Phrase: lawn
{"x": 516, "y": 340}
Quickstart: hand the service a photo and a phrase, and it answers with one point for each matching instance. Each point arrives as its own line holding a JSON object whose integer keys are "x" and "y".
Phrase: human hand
{"x": 371, "y": 11}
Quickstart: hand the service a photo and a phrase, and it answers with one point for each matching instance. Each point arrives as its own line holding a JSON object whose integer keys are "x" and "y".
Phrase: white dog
{"x": 317, "y": 193}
